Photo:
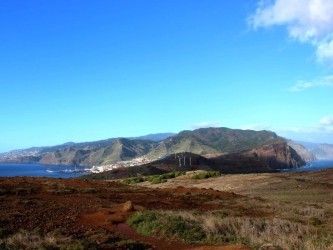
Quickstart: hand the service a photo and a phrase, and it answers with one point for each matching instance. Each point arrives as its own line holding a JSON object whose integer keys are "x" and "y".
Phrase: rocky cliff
{"x": 266, "y": 158}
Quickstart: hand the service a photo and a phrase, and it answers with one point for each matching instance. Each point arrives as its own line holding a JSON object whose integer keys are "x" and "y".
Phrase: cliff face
{"x": 267, "y": 158}
{"x": 277, "y": 155}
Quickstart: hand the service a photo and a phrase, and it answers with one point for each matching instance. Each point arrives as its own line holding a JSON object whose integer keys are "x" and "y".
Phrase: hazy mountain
{"x": 323, "y": 151}
{"x": 302, "y": 151}
{"x": 320, "y": 150}
{"x": 70, "y": 146}
{"x": 155, "y": 137}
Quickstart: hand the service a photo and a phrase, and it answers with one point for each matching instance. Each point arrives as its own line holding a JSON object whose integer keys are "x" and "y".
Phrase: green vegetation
{"x": 205, "y": 175}
{"x": 63, "y": 190}
{"x": 216, "y": 229}
{"x": 214, "y": 140}
{"x": 200, "y": 141}
{"x": 154, "y": 179}
{"x": 168, "y": 226}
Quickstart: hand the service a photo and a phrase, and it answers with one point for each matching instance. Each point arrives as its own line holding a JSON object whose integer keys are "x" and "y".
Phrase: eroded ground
{"x": 76, "y": 206}
{"x": 81, "y": 208}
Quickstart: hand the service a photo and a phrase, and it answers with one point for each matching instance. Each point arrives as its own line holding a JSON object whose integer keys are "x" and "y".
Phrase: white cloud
{"x": 308, "y": 21}
{"x": 326, "y": 81}
{"x": 327, "y": 121}
{"x": 322, "y": 131}
{"x": 326, "y": 124}
{"x": 205, "y": 125}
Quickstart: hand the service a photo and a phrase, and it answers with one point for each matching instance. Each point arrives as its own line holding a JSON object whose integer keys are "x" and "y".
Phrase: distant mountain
{"x": 302, "y": 151}
{"x": 154, "y": 137}
{"x": 117, "y": 150}
{"x": 309, "y": 145}
{"x": 319, "y": 150}
{"x": 222, "y": 145}
{"x": 16, "y": 155}
{"x": 323, "y": 151}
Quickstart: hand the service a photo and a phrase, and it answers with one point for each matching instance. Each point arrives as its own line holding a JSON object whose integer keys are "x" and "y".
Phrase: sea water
{"x": 34, "y": 170}
{"x": 52, "y": 171}
{"x": 312, "y": 166}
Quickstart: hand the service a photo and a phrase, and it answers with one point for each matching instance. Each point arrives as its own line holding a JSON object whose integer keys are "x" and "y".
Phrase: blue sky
{"x": 89, "y": 70}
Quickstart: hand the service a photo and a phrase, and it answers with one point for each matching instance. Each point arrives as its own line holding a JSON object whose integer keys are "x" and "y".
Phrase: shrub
{"x": 205, "y": 175}
{"x": 214, "y": 228}
{"x": 134, "y": 180}
{"x": 154, "y": 179}
{"x": 169, "y": 226}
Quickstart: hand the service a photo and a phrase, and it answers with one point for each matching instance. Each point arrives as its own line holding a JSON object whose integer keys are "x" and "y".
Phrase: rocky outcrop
{"x": 277, "y": 155}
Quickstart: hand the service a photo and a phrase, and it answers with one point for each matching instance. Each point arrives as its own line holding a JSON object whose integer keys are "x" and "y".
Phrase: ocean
{"x": 312, "y": 166}
{"x": 34, "y": 170}
{"x": 52, "y": 171}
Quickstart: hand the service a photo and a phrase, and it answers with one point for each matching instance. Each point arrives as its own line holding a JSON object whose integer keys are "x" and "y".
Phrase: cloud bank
{"x": 309, "y": 21}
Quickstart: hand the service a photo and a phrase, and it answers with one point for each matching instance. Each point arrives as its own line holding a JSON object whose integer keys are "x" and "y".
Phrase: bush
{"x": 205, "y": 175}
{"x": 217, "y": 229}
{"x": 168, "y": 226}
{"x": 154, "y": 179}
{"x": 134, "y": 180}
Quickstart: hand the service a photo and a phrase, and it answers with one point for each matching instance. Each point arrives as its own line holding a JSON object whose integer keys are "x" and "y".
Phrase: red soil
{"x": 77, "y": 206}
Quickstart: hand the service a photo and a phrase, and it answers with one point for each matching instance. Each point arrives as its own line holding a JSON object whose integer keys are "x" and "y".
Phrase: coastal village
{"x": 130, "y": 163}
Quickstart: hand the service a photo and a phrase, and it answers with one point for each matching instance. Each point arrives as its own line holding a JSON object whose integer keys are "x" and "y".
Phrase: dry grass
{"x": 33, "y": 240}
{"x": 256, "y": 232}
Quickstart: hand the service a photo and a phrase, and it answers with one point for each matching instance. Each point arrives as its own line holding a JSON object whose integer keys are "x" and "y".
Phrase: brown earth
{"x": 78, "y": 206}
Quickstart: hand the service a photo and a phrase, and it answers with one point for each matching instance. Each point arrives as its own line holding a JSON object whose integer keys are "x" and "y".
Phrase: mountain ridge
{"x": 209, "y": 142}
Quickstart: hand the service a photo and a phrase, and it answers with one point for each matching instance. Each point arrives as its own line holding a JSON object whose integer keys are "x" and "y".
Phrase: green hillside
{"x": 214, "y": 141}
{"x": 117, "y": 150}
{"x": 204, "y": 141}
